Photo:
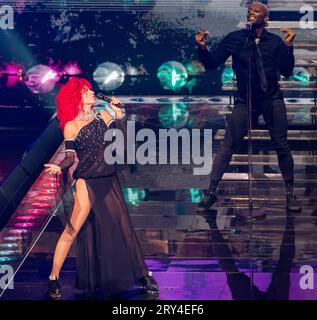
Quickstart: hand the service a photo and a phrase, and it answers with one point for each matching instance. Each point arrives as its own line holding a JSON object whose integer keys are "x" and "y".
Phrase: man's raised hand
{"x": 201, "y": 38}
{"x": 289, "y": 36}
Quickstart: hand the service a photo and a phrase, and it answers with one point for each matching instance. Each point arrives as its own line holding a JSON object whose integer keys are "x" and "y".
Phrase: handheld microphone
{"x": 103, "y": 97}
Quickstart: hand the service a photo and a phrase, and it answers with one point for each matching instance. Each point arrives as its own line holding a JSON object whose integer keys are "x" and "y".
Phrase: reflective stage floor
{"x": 217, "y": 255}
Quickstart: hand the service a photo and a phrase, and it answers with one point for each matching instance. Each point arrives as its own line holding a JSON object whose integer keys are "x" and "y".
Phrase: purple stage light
{"x": 36, "y": 211}
{"x": 40, "y": 204}
{"x": 16, "y": 238}
{"x": 13, "y": 73}
{"x": 24, "y": 225}
{"x": 48, "y": 191}
{"x": 27, "y": 218}
{"x": 72, "y": 69}
{"x": 18, "y": 231}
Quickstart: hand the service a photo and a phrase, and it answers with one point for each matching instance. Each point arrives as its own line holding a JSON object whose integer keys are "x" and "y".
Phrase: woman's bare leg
{"x": 80, "y": 213}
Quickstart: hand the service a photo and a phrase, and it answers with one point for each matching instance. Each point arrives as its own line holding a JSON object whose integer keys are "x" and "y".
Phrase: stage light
{"x": 174, "y": 115}
{"x": 41, "y": 79}
{"x": 300, "y": 74}
{"x": 72, "y": 69}
{"x": 18, "y": 231}
{"x": 6, "y": 259}
{"x": 12, "y": 73}
{"x": 36, "y": 211}
{"x": 24, "y": 225}
{"x": 40, "y": 204}
{"x": 194, "y": 68}
{"x": 27, "y": 218}
{"x": 8, "y": 252}
{"x": 11, "y": 238}
{"x": 109, "y": 76}
{"x": 227, "y": 75}
{"x": 48, "y": 191}
{"x": 44, "y": 198}
{"x": 195, "y": 195}
{"x": 134, "y": 196}
{"x": 8, "y": 245}
{"x": 51, "y": 185}
{"x": 172, "y": 75}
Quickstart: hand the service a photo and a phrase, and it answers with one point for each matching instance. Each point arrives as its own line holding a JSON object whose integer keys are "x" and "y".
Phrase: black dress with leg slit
{"x": 108, "y": 252}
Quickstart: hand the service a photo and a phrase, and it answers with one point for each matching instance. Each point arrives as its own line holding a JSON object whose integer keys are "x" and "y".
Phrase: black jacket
{"x": 277, "y": 57}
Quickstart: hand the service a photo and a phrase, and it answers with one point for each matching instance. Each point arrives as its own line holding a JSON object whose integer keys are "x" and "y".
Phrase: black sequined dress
{"x": 108, "y": 252}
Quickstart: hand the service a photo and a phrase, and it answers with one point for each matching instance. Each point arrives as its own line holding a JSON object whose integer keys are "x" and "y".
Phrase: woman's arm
{"x": 69, "y": 136}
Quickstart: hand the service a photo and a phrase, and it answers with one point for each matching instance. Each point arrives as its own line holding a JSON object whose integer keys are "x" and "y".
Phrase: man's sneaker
{"x": 292, "y": 204}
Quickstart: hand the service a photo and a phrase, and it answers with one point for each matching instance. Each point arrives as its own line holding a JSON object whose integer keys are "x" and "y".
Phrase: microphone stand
{"x": 249, "y": 102}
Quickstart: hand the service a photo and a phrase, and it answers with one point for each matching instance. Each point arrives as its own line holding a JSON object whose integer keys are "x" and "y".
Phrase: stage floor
{"x": 218, "y": 255}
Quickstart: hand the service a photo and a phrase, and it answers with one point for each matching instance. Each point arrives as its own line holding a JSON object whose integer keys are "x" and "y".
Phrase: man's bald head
{"x": 261, "y": 6}
{"x": 258, "y": 14}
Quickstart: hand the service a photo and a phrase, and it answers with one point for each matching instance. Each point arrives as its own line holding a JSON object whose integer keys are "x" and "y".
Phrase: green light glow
{"x": 195, "y": 195}
{"x": 174, "y": 115}
{"x": 172, "y": 75}
{"x": 6, "y": 259}
{"x": 227, "y": 75}
{"x": 300, "y": 74}
{"x": 134, "y": 196}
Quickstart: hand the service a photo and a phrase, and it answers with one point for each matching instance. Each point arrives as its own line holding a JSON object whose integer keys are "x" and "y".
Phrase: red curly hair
{"x": 69, "y": 100}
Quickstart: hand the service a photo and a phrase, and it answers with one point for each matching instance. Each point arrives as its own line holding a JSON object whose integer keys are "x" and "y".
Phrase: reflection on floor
{"x": 216, "y": 255}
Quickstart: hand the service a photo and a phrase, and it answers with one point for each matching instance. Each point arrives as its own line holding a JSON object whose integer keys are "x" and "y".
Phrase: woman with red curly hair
{"x": 108, "y": 253}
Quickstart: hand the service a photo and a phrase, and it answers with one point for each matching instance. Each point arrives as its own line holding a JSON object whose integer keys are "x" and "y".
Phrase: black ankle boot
{"x": 54, "y": 289}
{"x": 292, "y": 204}
{"x": 209, "y": 199}
{"x": 149, "y": 284}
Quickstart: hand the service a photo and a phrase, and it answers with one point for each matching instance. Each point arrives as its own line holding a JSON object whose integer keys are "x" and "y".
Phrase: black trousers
{"x": 274, "y": 114}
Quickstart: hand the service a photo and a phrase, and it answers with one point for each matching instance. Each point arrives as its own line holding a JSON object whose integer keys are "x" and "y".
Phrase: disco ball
{"x": 109, "y": 76}
{"x": 172, "y": 75}
{"x": 41, "y": 79}
{"x": 174, "y": 115}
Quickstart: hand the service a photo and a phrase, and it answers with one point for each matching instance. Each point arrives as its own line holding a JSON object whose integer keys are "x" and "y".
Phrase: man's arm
{"x": 212, "y": 60}
{"x": 285, "y": 54}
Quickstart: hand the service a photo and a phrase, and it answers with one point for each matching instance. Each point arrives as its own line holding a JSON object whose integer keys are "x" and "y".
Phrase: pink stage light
{"x": 72, "y": 69}
{"x": 44, "y": 198}
{"x": 36, "y": 211}
{"x": 18, "y": 231}
{"x": 50, "y": 185}
{"x": 13, "y": 73}
{"x": 49, "y": 191}
{"x": 24, "y": 225}
{"x": 51, "y": 178}
{"x": 41, "y": 204}
{"x": 16, "y": 238}
{"x": 27, "y": 218}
